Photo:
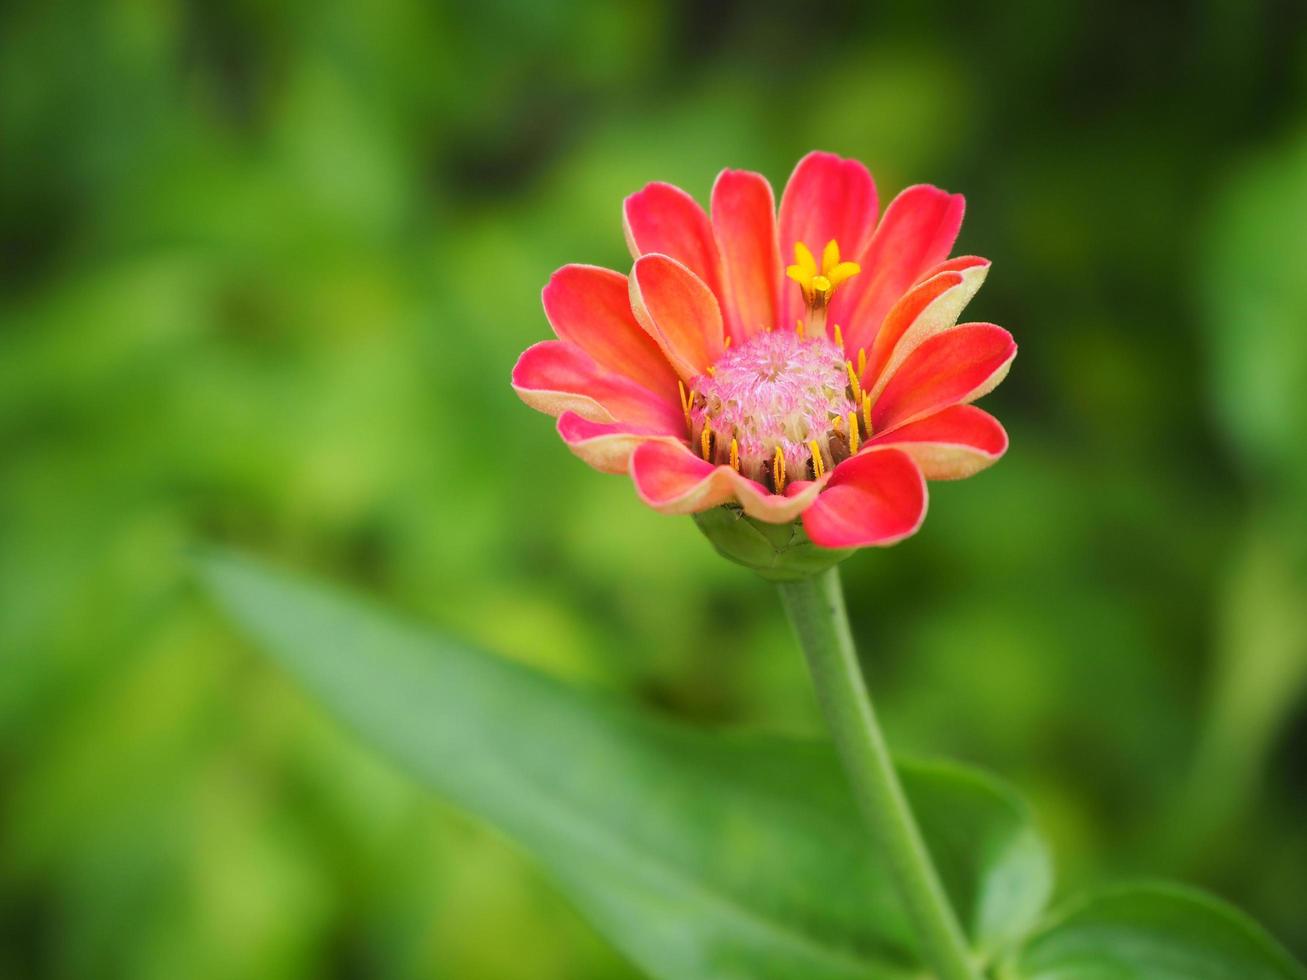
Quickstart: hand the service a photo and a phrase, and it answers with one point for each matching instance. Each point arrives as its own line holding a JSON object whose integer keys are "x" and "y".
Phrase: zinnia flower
{"x": 828, "y": 390}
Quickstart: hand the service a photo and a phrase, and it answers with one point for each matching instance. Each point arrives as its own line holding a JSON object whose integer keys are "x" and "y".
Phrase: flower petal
{"x": 665, "y": 219}
{"x": 607, "y": 446}
{"x": 744, "y": 223}
{"x": 951, "y": 368}
{"x": 875, "y": 498}
{"x": 951, "y": 444}
{"x": 673, "y": 480}
{"x": 916, "y": 233}
{"x": 679, "y": 312}
{"x": 555, "y": 376}
{"x": 827, "y": 197}
{"x": 924, "y": 310}
{"x": 591, "y": 307}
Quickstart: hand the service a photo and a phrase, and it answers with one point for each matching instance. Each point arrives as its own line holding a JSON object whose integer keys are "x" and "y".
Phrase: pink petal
{"x": 663, "y": 218}
{"x": 916, "y": 233}
{"x": 924, "y": 310}
{"x": 591, "y": 307}
{"x": 679, "y": 312}
{"x": 673, "y": 480}
{"x": 953, "y": 367}
{"x": 877, "y": 497}
{"x": 555, "y": 376}
{"x": 744, "y": 222}
{"x": 607, "y": 446}
{"x": 826, "y": 197}
{"x": 951, "y": 444}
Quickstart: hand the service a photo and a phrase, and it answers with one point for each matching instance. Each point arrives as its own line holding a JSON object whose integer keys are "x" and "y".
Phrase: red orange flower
{"x": 827, "y": 391}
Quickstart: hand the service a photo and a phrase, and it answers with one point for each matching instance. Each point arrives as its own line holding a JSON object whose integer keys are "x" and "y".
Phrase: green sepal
{"x": 777, "y": 552}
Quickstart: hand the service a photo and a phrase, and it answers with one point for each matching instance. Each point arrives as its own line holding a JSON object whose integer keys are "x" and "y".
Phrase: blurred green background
{"x": 265, "y": 270}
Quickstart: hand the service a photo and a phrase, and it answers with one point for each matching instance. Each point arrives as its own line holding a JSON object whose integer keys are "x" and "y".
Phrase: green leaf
{"x": 1152, "y": 932}
{"x": 699, "y": 855}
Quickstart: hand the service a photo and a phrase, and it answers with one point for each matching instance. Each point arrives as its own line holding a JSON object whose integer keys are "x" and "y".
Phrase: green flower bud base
{"x": 777, "y": 552}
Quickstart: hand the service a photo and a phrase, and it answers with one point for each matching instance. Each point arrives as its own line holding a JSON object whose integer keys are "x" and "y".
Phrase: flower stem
{"x": 816, "y": 610}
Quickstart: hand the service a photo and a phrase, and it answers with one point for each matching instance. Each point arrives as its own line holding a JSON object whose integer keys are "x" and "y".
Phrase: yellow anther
{"x": 839, "y": 337}
{"x": 727, "y": 345}
{"x": 837, "y": 423}
{"x": 854, "y": 386}
{"x": 819, "y": 283}
{"x": 712, "y": 370}
{"x": 818, "y": 464}
{"x": 735, "y": 455}
{"x": 778, "y": 470}
{"x": 853, "y": 432}
{"x": 705, "y": 442}
{"x": 685, "y": 403}
{"x": 862, "y": 361}
{"x": 866, "y": 412}
{"x": 830, "y": 255}
{"x": 800, "y": 329}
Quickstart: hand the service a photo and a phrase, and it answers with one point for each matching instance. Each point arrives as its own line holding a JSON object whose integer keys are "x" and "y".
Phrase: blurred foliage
{"x": 265, "y": 269}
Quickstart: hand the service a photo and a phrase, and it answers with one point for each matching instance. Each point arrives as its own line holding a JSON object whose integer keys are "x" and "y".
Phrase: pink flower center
{"x": 778, "y": 407}
{"x": 784, "y": 405}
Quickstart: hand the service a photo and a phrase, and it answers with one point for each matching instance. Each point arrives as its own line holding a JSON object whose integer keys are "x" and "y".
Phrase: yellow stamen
{"x": 727, "y": 345}
{"x": 866, "y": 412}
{"x": 818, "y": 283}
{"x": 778, "y": 470}
{"x": 735, "y": 455}
{"x": 830, "y": 255}
{"x": 712, "y": 369}
{"x": 800, "y": 329}
{"x": 862, "y": 361}
{"x": 705, "y": 442}
{"x": 839, "y": 337}
{"x": 685, "y": 403}
{"x": 853, "y": 432}
{"x": 818, "y": 464}
{"x": 854, "y": 386}
{"x": 837, "y": 422}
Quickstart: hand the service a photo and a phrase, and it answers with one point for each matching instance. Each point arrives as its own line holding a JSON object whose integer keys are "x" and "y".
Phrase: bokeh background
{"x": 265, "y": 270}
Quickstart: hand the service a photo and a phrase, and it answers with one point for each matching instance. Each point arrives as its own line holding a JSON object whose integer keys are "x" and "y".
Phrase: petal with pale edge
{"x": 591, "y": 307}
{"x": 951, "y": 368}
{"x": 827, "y": 198}
{"x": 679, "y": 312}
{"x": 555, "y": 376}
{"x": 916, "y": 234}
{"x": 951, "y": 444}
{"x": 744, "y": 223}
{"x": 924, "y": 310}
{"x": 607, "y": 446}
{"x": 875, "y": 498}
{"x": 673, "y": 480}
{"x": 665, "y": 219}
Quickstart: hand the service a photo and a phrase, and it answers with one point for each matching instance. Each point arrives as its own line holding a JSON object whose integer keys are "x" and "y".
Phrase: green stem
{"x": 815, "y": 607}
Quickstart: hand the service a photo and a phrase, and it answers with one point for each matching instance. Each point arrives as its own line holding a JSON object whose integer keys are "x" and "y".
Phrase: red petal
{"x": 916, "y": 233}
{"x": 673, "y": 480}
{"x": 950, "y": 368}
{"x": 744, "y": 221}
{"x": 555, "y": 376}
{"x": 591, "y": 307}
{"x": 924, "y": 310}
{"x": 826, "y": 197}
{"x": 877, "y": 497}
{"x": 679, "y": 312}
{"x": 663, "y": 218}
{"x": 607, "y": 446}
{"x": 951, "y": 444}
